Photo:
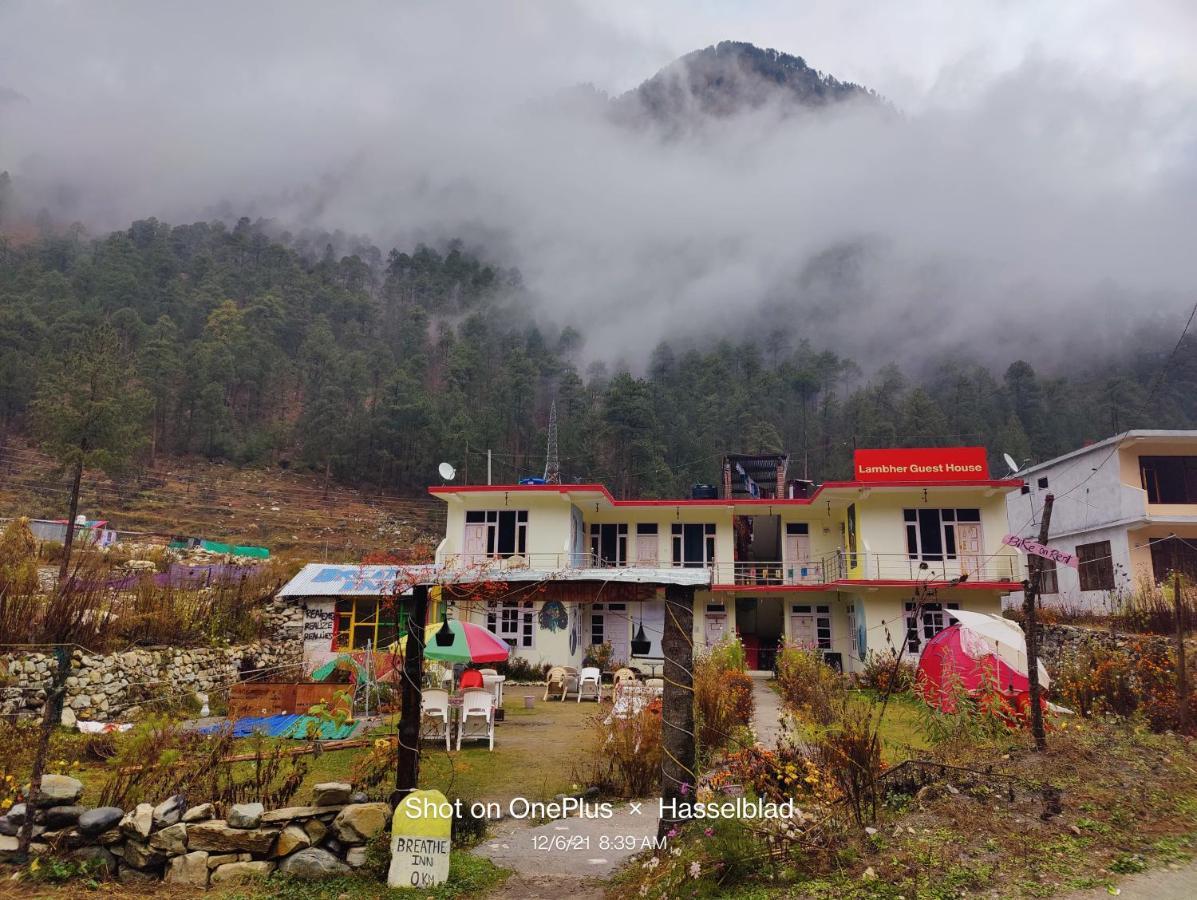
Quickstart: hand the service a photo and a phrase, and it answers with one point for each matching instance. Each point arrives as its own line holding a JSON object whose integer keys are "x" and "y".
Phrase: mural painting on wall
{"x": 553, "y": 616}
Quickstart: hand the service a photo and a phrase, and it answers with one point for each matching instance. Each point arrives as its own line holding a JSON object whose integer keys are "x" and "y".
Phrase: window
{"x": 797, "y": 528}
{"x": 822, "y": 623}
{"x": 931, "y": 533}
{"x": 609, "y": 544}
{"x": 1049, "y": 583}
{"x": 503, "y": 531}
{"x": 936, "y": 617}
{"x": 513, "y": 621}
{"x": 1095, "y": 566}
{"x": 693, "y": 545}
{"x": 1169, "y": 479}
{"x": 362, "y": 621}
{"x": 1042, "y": 483}
{"x": 852, "y": 630}
{"x": 646, "y": 528}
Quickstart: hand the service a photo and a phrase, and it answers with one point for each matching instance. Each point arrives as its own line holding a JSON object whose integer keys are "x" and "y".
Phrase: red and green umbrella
{"x": 457, "y": 641}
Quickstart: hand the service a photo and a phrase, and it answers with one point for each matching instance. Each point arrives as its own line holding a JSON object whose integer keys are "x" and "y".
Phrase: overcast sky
{"x": 1043, "y": 170}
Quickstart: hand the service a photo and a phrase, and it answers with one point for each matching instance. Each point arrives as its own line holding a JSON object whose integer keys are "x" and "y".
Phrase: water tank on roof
{"x": 704, "y": 492}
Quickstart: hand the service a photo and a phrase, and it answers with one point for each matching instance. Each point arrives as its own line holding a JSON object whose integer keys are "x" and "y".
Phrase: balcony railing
{"x": 839, "y": 566}
{"x": 770, "y": 574}
{"x": 869, "y": 566}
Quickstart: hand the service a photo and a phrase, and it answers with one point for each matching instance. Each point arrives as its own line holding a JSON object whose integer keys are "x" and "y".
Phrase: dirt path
{"x": 1162, "y": 884}
{"x": 567, "y": 857}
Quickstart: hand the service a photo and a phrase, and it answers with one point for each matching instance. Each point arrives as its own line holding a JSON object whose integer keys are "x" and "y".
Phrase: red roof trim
{"x": 438, "y": 490}
{"x": 863, "y": 582}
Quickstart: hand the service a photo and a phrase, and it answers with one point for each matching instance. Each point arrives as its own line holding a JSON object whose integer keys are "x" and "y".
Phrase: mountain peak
{"x": 733, "y": 77}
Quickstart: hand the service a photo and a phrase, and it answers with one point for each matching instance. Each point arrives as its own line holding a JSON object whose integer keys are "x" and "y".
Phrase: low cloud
{"x": 1051, "y": 204}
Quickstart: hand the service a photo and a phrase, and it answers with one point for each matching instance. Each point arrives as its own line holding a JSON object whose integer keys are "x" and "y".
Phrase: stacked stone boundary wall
{"x": 121, "y": 684}
{"x": 201, "y": 845}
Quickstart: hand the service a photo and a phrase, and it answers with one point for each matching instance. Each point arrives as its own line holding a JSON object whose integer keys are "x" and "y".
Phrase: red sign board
{"x": 922, "y": 464}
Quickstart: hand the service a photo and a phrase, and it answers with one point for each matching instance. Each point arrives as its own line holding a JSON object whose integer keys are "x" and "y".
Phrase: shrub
{"x": 850, "y": 758}
{"x": 599, "y": 656}
{"x": 729, "y": 655}
{"x": 517, "y": 669}
{"x": 1151, "y": 609}
{"x": 969, "y": 717}
{"x": 809, "y": 687}
{"x": 624, "y": 758}
{"x": 157, "y": 760}
{"x": 780, "y": 774}
{"x": 722, "y": 704}
{"x": 887, "y": 673}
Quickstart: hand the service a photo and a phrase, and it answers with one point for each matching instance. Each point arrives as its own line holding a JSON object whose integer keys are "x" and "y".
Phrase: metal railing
{"x": 769, "y": 574}
{"x": 868, "y": 566}
{"x": 838, "y": 566}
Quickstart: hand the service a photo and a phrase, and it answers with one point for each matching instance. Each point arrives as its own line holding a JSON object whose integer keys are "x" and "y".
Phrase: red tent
{"x": 981, "y": 655}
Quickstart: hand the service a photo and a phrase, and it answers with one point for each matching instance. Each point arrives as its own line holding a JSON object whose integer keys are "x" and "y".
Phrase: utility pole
{"x": 465, "y": 477}
{"x": 488, "y": 480}
{"x": 407, "y": 772}
{"x": 1030, "y": 598}
{"x": 1182, "y": 680}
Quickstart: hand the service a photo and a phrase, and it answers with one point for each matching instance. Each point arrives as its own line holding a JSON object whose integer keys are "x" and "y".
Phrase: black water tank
{"x": 704, "y": 492}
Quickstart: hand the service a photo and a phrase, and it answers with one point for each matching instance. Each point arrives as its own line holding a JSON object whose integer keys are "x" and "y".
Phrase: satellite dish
{"x": 1011, "y": 463}
{"x": 447, "y": 472}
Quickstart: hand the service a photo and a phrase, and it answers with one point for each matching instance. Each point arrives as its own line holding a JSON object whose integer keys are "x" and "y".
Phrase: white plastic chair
{"x": 656, "y": 686}
{"x": 477, "y": 703}
{"x": 590, "y": 682}
{"x": 622, "y": 675}
{"x": 434, "y": 716}
{"x": 494, "y": 683}
{"x": 489, "y": 671}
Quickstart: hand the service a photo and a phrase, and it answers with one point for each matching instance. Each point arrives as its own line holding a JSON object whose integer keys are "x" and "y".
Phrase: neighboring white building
{"x": 1126, "y": 506}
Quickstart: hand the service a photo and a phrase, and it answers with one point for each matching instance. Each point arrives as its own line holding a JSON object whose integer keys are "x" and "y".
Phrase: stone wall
{"x": 1058, "y": 640}
{"x": 201, "y": 845}
{"x": 117, "y": 685}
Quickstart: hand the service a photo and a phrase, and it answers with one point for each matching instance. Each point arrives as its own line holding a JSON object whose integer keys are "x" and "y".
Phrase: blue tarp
{"x": 271, "y": 726}
{"x": 283, "y": 725}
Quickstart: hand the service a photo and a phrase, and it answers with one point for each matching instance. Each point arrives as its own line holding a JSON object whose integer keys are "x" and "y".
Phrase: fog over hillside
{"x": 1038, "y": 185}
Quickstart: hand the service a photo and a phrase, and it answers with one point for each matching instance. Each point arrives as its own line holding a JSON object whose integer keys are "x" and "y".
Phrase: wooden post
{"x": 72, "y": 512}
{"x": 407, "y": 772}
{"x": 677, "y": 713}
{"x": 1182, "y": 680}
{"x": 1028, "y": 604}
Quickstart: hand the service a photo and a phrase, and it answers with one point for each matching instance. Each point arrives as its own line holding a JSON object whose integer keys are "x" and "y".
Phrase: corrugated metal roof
{"x": 327, "y": 580}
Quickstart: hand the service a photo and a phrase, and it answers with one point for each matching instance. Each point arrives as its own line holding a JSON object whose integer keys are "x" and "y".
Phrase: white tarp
{"x": 985, "y": 633}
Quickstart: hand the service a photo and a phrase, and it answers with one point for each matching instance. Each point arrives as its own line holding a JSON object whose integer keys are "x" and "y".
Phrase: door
{"x": 968, "y": 546}
{"x": 716, "y": 628}
{"x": 797, "y": 558}
{"x": 802, "y": 630}
{"x": 474, "y": 547}
{"x": 646, "y": 550}
{"x": 617, "y": 630}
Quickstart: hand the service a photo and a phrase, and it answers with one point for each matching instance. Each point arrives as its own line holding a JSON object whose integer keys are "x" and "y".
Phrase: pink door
{"x": 802, "y": 630}
{"x": 968, "y": 546}
{"x": 797, "y": 559}
{"x": 716, "y": 628}
{"x": 646, "y": 549}
{"x": 474, "y": 546}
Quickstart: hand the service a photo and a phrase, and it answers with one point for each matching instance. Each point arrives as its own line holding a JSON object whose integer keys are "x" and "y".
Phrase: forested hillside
{"x": 375, "y": 366}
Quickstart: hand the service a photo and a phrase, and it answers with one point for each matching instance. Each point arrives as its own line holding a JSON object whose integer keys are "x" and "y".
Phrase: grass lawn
{"x": 900, "y": 734}
{"x": 535, "y": 752}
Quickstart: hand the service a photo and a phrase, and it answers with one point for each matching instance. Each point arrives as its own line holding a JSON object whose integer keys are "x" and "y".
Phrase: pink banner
{"x": 1037, "y": 549}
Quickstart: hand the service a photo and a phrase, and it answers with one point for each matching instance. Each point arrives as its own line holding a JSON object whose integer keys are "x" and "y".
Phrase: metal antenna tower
{"x": 552, "y": 465}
